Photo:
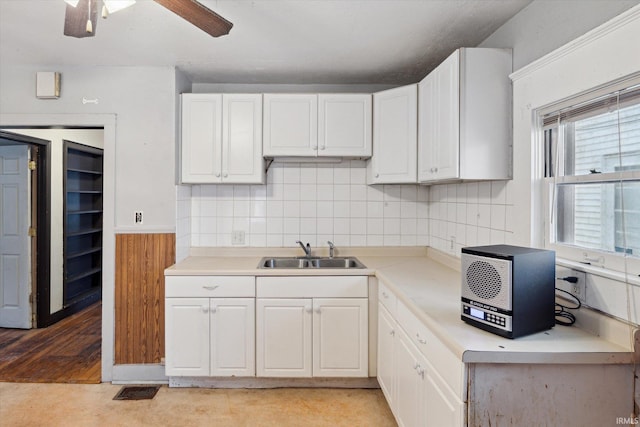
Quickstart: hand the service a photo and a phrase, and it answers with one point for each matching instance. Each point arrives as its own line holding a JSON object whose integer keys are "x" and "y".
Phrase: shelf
{"x": 88, "y": 171}
{"x": 85, "y": 252}
{"x": 85, "y": 191}
{"x": 84, "y": 274}
{"x": 83, "y": 232}
{"x": 90, "y": 211}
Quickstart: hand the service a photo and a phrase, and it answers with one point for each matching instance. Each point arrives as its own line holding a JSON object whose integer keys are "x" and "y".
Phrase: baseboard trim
{"x": 139, "y": 374}
{"x": 253, "y": 382}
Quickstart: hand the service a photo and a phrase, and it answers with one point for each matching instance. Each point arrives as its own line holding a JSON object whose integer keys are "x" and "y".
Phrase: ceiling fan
{"x": 81, "y": 16}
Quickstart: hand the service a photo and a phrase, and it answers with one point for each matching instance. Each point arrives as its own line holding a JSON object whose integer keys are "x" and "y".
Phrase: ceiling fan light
{"x": 72, "y": 3}
{"x": 113, "y": 6}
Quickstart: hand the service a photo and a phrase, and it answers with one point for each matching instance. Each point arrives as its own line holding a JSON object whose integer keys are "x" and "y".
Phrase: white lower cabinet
{"x": 301, "y": 335}
{"x": 283, "y": 337}
{"x": 210, "y": 337}
{"x": 412, "y": 385}
{"x": 209, "y": 332}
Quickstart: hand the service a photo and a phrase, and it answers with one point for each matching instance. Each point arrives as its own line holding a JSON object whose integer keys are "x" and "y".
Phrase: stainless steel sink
{"x": 320, "y": 263}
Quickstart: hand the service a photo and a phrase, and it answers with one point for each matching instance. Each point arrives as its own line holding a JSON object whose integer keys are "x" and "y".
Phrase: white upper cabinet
{"x": 222, "y": 139}
{"x": 242, "y": 160}
{"x": 290, "y": 125}
{"x": 201, "y": 141}
{"x": 326, "y": 125}
{"x": 465, "y": 117}
{"x": 344, "y": 125}
{"x": 395, "y": 116}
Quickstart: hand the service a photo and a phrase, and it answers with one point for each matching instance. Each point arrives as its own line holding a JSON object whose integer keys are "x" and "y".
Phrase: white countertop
{"x": 431, "y": 290}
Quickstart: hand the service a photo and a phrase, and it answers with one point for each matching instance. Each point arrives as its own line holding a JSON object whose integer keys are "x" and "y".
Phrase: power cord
{"x": 564, "y": 317}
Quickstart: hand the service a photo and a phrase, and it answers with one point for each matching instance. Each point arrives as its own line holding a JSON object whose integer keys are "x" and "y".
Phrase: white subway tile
{"x": 461, "y": 213}
{"x": 325, "y": 209}
{"x": 358, "y": 226}
{"x": 341, "y": 226}
{"x": 325, "y": 192}
{"x": 341, "y": 175}
{"x": 391, "y": 210}
{"x": 471, "y": 235}
{"x": 308, "y": 192}
{"x": 308, "y": 209}
{"x": 258, "y": 208}
{"x": 472, "y": 192}
{"x": 274, "y": 240}
{"x": 325, "y": 226}
{"x": 409, "y": 193}
{"x": 341, "y": 240}
{"x": 291, "y": 226}
{"x": 375, "y": 240}
{"x": 392, "y": 193}
{"x": 225, "y": 208}
{"x": 484, "y": 215}
{"x": 497, "y": 237}
{"x": 291, "y": 175}
{"x": 358, "y": 192}
{"x": 274, "y": 208}
{"x": 408, "y": 226}
{"x": 408, "y": 209}
{"x": 391, "y": 226}
{"x": 258, "y": 226}
{"x": 224, "y": 192}
{"x": 291, "y": 209}
{"x": 358, "y": 209}
{"x": 375, "y": 209}
{"x": 391, "y": 240}
{"x": 258, "y": 192}
{"x": 291, "y": 191}
{"x": 308, "y": 226}
{"x": 375, "y": 226}
{"x": 408, "y": 240}
{"x": 325, "y": 175}
{"x": 308, "y": 175}
{"x": 484, "y": 236}
{"x": 341, "y": 209}
{"x": 241, "y": 192}
{"x": 241, "y": 208}
{"x": 461, "y": 234}
{"x": 358, "y": 175}
{"x": 275, "y": 225}
{"x": 224, "y": 225}
{"x": 375, "y": 193}
{"x": 258, "y": 240}
{"x": 472, "y": 214}
{"x": 341, "y": 192}
{"x": 358, "y": 240}
{"x": 484, "y": 192}
{"x": 498, "y": 217}
{"x": 498, "y": 192}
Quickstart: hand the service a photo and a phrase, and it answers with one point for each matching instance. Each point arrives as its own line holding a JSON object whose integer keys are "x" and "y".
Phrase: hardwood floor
{"x": 66, "y": 352}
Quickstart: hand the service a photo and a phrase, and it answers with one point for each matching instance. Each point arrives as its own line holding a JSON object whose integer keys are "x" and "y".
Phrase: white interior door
{"x": 15, "y": 278}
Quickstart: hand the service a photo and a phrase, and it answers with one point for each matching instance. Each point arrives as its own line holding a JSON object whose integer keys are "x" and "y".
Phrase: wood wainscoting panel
{"x": 139, "y": 296}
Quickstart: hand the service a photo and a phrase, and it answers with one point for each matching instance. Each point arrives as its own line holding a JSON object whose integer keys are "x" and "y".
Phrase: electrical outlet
{"x": 138, "y": 217}
{"x": 237, "y": 238}
{"x": 579, "y": 289}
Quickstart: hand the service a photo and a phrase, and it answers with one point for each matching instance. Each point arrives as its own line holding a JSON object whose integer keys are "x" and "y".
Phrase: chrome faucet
{"x": 306, "y": 249}
{"x": 331, "y": 248}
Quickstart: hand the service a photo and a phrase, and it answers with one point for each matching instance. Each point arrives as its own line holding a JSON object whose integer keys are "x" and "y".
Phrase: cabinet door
{"x": 242, "y": 160}
{"x": 409, "y": 405}
{"x": 441, "y": 407}
{"x": 427, "y": 127}
{"x": 344, "y": 125}
{"x": 290, "y": 125}
{"x": 447, "y": 141}
{"x": 283, "y": 337}
{"x": 395, "y": 133}
{"x": 386, "y": 338}
{"x": 340, "y": 337}
{"x": 232, "y": 324}
{"x": 201, "y": 140}
{"x": 187, "y": 337}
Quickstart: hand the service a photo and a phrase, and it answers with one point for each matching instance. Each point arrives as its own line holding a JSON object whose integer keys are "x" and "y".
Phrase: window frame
{"x": 619, "y": 265}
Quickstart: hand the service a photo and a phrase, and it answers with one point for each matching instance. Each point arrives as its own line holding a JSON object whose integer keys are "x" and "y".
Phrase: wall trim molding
{"x": 152, "y": 373}
{"x": 578, "y": 43}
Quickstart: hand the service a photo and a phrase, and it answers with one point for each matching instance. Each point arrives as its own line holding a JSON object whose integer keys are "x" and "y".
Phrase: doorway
{"x": 70, "y": 350}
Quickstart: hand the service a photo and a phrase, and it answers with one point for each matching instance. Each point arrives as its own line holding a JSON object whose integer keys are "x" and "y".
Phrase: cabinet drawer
{"x": 443, "y": 360}
{"x": 210, "y": 286}
{"x": 312, "y": 287}
{"x": 387, "y": 298}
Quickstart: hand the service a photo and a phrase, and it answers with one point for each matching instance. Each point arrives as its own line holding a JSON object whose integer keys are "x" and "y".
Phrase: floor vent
{"x": 136, "y": 392}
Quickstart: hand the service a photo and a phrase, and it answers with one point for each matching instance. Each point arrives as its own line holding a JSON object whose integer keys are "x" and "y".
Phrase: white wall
{"x": 91, "y": 137}
{"x": 143, "y": 99}
{"x": 546, "y": 25}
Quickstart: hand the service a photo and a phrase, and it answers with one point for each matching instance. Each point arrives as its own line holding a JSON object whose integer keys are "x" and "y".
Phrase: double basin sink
{"x": 310, "y": 262}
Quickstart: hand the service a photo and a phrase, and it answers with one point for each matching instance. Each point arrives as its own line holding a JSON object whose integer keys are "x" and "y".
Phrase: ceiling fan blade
{"x": 75, "y": 19}
{"x": 199, "y": 15}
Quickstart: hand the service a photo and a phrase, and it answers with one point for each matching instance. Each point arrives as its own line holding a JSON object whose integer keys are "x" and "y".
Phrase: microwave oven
{"x": 508, "y": 290}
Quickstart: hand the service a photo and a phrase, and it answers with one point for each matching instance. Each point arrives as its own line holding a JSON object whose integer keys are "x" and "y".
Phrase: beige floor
{"x": 92, "y": 405}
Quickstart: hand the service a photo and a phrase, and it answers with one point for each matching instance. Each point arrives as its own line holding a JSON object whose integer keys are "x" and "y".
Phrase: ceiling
{"x": 272, "y": 41}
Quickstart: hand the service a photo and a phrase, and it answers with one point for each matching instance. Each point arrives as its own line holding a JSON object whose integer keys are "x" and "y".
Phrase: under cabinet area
{"x": 395, "y": 116}
{"x": 464, "y": 122}
{"x": 210, "y": 326}
{"x": 312, "y": 326}
{"x": 221, "y": 139}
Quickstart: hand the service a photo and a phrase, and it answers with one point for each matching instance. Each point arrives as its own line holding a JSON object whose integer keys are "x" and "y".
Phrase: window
{"x": 592, "y": 175}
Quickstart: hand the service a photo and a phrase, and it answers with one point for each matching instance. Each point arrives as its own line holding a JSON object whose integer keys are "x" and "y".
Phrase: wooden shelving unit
{"x": 82, "y": 224}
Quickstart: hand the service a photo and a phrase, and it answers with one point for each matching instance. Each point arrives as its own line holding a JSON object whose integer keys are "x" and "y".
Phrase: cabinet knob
{"x": 377, "y": 175}
{"x": 214, "y": 308}
{"x": 225, "y": 175}
{"x": 210, "y": 288}
{"x": 314, "y": 147}
{"x": 384, "y": 294}
{"x": 436, "y": 169}
{"x": 420, "y": 340}
{"x": 392, "y": 332}
{"x": 322, "y": 147}
{"x": 318, "y": 310}
{"x": 218, "y": 175}
{"x": 308, "y": 309}
{"x": 205, "y": 309}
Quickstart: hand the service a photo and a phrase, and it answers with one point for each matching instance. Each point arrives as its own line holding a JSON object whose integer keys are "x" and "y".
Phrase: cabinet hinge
{"x": 32, "y": 165}
{"x": 32, "y": 232}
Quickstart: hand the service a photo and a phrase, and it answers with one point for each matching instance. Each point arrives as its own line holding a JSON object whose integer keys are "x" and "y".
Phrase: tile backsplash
{"x": 312, "y": 202}
{"x": 316, "y": 202}
{"x": 470, "y": 214}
